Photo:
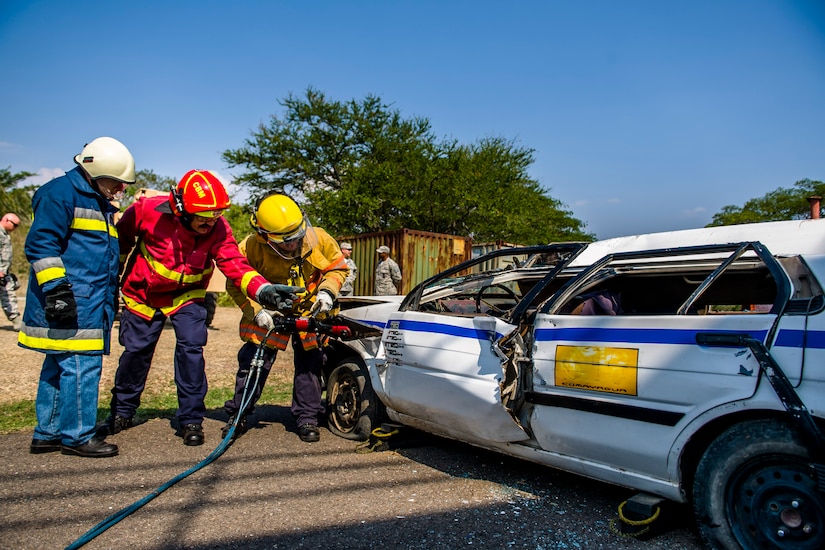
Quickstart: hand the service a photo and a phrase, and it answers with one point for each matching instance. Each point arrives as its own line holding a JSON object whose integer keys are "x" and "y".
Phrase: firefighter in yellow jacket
{"x": 287, "y": 249}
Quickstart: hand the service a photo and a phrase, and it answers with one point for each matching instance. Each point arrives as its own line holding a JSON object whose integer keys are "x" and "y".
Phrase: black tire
{"x": 353, "y": 409}
{"x": 755, "y": 488}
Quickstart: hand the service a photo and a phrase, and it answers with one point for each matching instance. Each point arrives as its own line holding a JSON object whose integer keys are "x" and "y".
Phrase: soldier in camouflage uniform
{"x": 8, "y": 298}
{"x": 387, "y": 274}
{"x": 347, "y": 288}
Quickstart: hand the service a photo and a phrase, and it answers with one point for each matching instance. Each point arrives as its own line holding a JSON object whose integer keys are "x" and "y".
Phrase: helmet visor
{"x": 211, "y": 213}
{"x": 285, "y": 238}
{"x": 298, "y": 245}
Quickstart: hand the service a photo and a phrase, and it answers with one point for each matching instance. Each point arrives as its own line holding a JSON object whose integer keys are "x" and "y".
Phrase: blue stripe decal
{"x": 812, "y": 339}
{"x": 631, "y": 335}
{"x": 449, "y": 330}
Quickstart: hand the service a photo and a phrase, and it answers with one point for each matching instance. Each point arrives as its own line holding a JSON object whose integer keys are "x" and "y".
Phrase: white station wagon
{"x": 688, "y": 365}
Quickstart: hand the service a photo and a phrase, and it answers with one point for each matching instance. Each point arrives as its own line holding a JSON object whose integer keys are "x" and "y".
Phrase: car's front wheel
{"x": 755, "y": 487}
{"x": 353, "y": 409}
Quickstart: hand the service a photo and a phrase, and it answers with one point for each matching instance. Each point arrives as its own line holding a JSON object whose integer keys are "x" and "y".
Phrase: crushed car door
{"x": 639, "y": 373}
{"x": 443, "y": 376}
{"x": 442, "y": 372}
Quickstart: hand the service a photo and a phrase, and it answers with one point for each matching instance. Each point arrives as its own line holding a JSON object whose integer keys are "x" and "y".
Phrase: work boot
{"x": 240, "y": 429}
{"x": 96, "y": 447}
{"x": 40, "y": 446}
{"x": 119, "y": 423}
{"x": 192, "y": 435}
{"x": 17, "y": 323}
{"x": 309, "y": 433}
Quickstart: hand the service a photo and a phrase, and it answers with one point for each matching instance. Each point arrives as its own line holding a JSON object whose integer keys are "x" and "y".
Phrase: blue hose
{"x": 257, "y": 363}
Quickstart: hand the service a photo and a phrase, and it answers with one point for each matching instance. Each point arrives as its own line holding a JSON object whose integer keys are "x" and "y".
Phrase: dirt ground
{"x": 270, "y": 490}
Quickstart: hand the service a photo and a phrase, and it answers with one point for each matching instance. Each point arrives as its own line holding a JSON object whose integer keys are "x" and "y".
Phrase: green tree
{"x": 15, "y": 197}
{"x": 784, "y": 203}
{"x": 358, "y": 166}
{"x": 146, "y": 179}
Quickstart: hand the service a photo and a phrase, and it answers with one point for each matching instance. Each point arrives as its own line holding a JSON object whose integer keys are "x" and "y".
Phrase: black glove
{"x": 61, "y": 307}
{"x": 3, "y": 281}
{"x": 278, "y": 297}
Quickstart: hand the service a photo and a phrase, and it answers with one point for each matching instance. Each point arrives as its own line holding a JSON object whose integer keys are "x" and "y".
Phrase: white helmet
{"x": 106, "y": 157}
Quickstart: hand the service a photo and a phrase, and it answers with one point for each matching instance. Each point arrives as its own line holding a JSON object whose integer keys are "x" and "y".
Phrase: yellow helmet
{"x": 278, "y": 219}
{"x": 106, "y": 157}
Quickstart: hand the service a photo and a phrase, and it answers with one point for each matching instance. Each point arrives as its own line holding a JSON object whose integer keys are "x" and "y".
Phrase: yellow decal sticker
{"x": 611, "y": 370}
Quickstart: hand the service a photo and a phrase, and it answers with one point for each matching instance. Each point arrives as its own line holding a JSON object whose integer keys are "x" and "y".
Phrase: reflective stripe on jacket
{"x": 170, "y": 265}
{"x": 323, "y": 268}
{"x": 72, "y": 239}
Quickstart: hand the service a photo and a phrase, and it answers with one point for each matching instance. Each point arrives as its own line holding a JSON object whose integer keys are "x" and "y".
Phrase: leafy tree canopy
{"x": 784, "y": 203}
{"x": 358, "y": 167}
{"x": 15, "y": 197}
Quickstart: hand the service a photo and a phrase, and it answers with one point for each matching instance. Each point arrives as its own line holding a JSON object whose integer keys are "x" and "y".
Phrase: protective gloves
{"x": 61, "y": 307}
{"x": 264, "y": 319}
{"x": 323, "y": 303}
{"x": 278, "y": 297}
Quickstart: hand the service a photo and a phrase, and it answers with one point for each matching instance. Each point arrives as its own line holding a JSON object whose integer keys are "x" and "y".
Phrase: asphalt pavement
{"x": 270, "y": 490}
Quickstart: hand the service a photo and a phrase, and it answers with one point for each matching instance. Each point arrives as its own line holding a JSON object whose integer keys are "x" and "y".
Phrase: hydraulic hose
{"x": 257, "y": 363}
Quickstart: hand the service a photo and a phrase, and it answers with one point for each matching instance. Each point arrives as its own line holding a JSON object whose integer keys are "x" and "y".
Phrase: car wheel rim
{"x": 775, "y": 503}
{"x": 345, "y": 402}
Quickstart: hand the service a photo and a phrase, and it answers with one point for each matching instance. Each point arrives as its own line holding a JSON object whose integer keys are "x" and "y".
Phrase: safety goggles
{"x": 280, "y": 238}
{"x": 211, "y": 213}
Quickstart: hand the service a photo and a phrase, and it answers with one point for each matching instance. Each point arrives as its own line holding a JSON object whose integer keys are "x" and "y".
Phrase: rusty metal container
{"x": 419, "y": 254}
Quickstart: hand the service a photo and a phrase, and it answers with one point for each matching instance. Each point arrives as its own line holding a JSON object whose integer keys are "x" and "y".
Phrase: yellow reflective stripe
{"x": 179, "y": 301}
{"x": 90, "y": 344}
{"x": 171, "y": 274}
{"x": 50, "y": 274}
{"x": 247, "y": 278}
{"x": 85, "y": 224}
{"x": 113, "y": 231}
{"x": 183, "y": 298}
{"x": 137, "y": 307}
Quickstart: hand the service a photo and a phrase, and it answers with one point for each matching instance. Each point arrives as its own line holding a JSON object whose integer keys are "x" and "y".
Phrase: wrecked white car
{"x": 688, "y": 365}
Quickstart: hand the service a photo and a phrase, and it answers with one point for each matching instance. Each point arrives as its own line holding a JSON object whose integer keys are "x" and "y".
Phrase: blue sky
{"x": 643, "y": 115}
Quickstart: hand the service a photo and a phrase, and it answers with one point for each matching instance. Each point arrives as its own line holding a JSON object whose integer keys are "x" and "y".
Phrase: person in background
{"x": 287, "y": 249}
{"x": 176, "y": 238}
{"x": 8, "y": 282}
{"x": 387, "y": 273}
{"x": 347, "y": 288}
{"x": 70, "y": 302}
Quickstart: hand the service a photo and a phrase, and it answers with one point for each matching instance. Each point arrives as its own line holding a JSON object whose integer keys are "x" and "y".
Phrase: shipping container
{"x": 419, "y": 254}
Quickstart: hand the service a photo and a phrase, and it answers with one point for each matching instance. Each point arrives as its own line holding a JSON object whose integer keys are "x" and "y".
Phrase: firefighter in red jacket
{"x": 172, "y": 245}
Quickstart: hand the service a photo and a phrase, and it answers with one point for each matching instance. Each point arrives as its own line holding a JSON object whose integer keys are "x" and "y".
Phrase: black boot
{"x": 96, "y": 447}
{"x": 240, "y": 429}
{"x": 192, "y": 434}
{"x": 309, "y": 433}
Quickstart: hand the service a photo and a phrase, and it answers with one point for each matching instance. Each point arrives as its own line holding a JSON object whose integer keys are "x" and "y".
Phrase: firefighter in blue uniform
{"x": 70, "y": 303}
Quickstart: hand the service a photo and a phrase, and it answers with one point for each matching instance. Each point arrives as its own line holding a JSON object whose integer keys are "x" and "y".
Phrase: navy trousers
{"x": 245, "y": 356}
{"x": 139, "y": 339}
{"x": 307, "y": 407}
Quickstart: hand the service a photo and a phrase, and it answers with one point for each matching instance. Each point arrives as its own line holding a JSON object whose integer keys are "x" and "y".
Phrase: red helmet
{"x": 201, "y": 193}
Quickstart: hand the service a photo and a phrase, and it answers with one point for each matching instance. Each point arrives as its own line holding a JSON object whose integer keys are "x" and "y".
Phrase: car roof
{"x": 781, "y": 238}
